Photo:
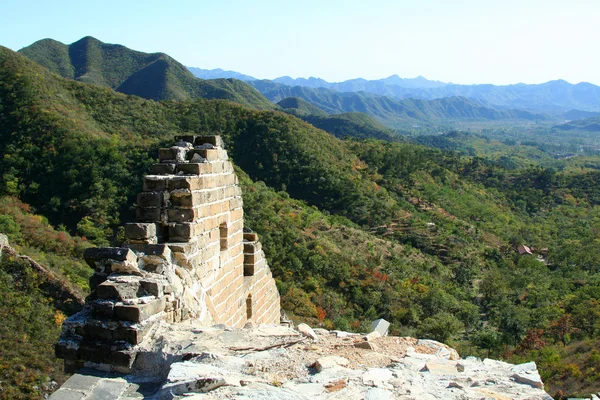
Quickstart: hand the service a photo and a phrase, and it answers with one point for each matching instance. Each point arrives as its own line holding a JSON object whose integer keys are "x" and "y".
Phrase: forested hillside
{"x": 152, "y": 76}
{"x": 353, "y": 229}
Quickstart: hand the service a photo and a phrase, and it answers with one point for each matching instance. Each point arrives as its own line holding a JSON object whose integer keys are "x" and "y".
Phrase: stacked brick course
{"x": 188, "y": 256}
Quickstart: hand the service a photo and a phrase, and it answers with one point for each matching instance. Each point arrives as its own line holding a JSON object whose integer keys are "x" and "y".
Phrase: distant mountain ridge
{"x": 219, "y": 73}
{"x": 153, "y": 76}
{"x": 388, "y": 111}
{"x": 377, "y": 86}
{"x": 556, "y": 96}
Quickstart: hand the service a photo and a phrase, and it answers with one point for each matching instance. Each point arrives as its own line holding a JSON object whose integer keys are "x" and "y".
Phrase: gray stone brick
{"x": 108, "y": 390}
{"x": 140, "y": 230}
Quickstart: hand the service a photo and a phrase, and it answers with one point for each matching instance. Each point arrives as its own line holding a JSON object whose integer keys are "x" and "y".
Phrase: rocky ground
{"x": 278, "y": 362}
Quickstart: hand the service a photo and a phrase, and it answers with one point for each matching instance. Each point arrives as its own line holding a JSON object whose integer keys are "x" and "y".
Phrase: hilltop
{"x": 300, "y": 107}
{"x": 153, "y": 76}
{"x": 586, "y": 124}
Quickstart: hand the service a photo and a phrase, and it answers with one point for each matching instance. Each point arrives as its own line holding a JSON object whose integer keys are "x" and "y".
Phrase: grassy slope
{"x": 31, "y": 315}
{"x": 153, "y": 76}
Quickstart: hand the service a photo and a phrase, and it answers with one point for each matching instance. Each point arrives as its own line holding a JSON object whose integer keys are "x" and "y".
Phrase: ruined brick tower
{"x": 188, "y": 256}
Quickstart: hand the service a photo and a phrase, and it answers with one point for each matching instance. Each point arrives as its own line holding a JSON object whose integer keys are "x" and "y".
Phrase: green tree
{"x": 441, "y": 327}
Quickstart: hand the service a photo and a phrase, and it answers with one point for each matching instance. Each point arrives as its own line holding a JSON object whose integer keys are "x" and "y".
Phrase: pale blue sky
{"x": 460, "y": 41}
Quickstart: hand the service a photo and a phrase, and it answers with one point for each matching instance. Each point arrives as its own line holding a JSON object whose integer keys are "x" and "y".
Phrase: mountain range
{"x": 390, "y": 112}
{"x": 157, "y": 76}
{"x": 556, "y": 96}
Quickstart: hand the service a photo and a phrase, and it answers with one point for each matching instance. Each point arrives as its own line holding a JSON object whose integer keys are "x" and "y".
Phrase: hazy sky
{"x": 460, "y": 41}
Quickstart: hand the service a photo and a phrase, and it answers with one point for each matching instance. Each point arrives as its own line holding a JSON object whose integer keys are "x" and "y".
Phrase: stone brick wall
{"x": 188, "y": 256}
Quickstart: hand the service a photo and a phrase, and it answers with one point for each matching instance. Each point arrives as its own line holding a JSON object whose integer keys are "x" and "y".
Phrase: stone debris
{"x": 307, "y": 331}
{"x": 528, "y": 374}
{"x": 200, "y": 362}
{"x": 381, "y": 326}
{"x": 187, "y": 257}
{"x": 330, "y": 362}
{"x": 366, "y": 345}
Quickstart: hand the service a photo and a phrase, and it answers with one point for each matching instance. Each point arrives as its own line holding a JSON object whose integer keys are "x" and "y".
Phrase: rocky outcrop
{"x": 187, "y": 257}
{"x": 277, "y": 362}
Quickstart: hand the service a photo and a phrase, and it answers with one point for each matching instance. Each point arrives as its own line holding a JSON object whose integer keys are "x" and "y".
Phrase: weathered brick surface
{"x": 187, "y": 257}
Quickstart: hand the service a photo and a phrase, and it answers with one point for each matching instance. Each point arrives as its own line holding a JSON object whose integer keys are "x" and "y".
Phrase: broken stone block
{"x": 366, "y": 346}
{"x": 181, "y": 232}
{"x": 100, "y": 258}
{"x": 152, "y": 286}
{"x": 185, "y": 138}
{"x": 527, "y": 374}
{"x": 67, "y": 349}
{"x": 155, "y": 183}
{"x": 377, "y": 377}
{"x": 207, "y": 153}
{"x": 197, "y": 158}
{"x": 119, "y": 355}
{"x": 441, "y": 367}
{"x": 216, "y": 141}
{"x": 103, "y": 308}
{"x": 125, "y": 267}
{"x": 148, "y": 214}
{"x": 175, "y": 153}
{"x": 381, "y": 326}
{"x": 330, "y": 362}
{"x": 119, "y": 290}
{"x": 529, "y": 378}
{"x": 139, "y": 312}
{"x": 132, "y": 333}
{"x": 196, "y": 167}
{"x": 443, "y": 351}
{"x": 99, "y": 329}
{"x": 153, "y": 253}
{"x": 150, "y": 199}
{"x": 163, "y": 169}
{"x": 155, "y": 268}
{"x": 307, "y": 331}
